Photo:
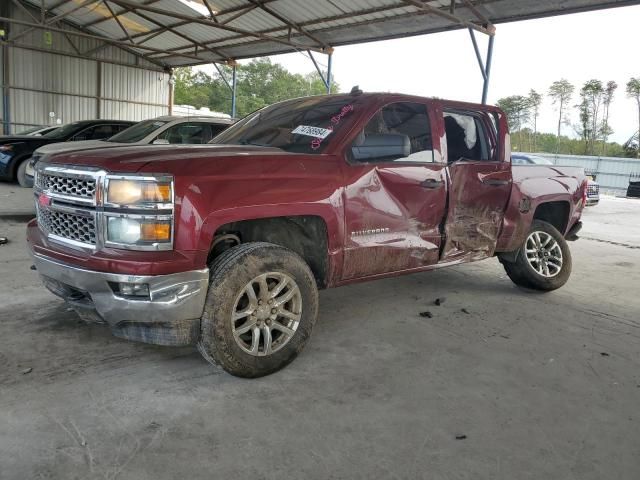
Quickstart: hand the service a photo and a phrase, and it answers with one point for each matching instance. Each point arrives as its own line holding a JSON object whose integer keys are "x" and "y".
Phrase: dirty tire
{"x": 21, "y": 174}
{"x": 523, "y": 274}
{"x": 229, "y": 275}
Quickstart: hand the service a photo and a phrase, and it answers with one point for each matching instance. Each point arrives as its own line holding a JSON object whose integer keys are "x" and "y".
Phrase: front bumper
{"x": 171, "y": 315}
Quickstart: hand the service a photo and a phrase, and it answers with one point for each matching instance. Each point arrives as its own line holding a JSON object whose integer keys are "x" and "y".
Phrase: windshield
{"x": 65, "y": 130}
{"x": 137, "y": 132}
{"x": 303, "y": 125}
{"x": 30, "y": 130}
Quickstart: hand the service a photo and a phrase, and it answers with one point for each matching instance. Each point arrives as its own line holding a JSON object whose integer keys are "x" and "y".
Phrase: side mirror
{"x": 382, "y": 146}
{"x": 160, "y": 141}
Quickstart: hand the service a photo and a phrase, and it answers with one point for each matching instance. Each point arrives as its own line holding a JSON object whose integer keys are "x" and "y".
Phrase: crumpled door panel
{"x": 392, "y": 221}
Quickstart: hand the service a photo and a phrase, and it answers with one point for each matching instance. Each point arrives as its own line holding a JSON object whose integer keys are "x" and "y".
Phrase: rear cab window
{"x": 398, "y": 132}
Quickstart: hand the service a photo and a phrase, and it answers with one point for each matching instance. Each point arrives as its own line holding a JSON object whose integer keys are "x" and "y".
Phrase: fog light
{"x": 134, "y": 290}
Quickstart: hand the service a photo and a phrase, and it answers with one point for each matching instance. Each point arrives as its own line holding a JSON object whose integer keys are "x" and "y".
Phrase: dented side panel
{"x": 392, "y": 221}
{"x": 479, "y": 193}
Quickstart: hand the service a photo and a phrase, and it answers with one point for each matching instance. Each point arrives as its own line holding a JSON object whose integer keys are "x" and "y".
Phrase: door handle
{"x": 431, "y": 183}
{"x": 495, "y": 183}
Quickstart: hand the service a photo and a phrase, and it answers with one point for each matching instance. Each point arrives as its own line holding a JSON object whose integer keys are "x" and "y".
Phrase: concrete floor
{"x": 544, "y": 386}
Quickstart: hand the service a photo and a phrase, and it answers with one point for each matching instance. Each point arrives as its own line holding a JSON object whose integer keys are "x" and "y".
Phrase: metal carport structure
{"x": 164, "y": 34}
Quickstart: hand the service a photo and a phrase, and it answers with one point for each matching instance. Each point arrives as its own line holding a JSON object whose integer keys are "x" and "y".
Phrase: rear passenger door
{"x": 395, "y": 193}
{"x": 479, "y": 185}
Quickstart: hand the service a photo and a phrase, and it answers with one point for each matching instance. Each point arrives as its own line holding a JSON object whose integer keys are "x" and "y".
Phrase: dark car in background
{"x": 593, "y": 187}
{"x": 16, "y": 150}
{"x": 39, "y": 130}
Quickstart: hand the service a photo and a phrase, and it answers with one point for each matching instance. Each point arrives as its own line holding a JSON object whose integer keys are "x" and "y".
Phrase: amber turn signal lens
{"x": 157, "y": 192}
{"x": 155, "y": 232}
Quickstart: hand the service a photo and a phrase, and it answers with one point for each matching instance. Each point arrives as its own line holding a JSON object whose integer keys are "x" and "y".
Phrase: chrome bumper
{"x": 171, "y": 316}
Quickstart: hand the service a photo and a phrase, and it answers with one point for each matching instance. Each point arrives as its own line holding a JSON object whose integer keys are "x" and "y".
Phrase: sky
{"x": 531, "y": 54}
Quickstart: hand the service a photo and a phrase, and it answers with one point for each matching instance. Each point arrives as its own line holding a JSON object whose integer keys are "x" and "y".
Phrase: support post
{"x": 172, "y": 82}
{"x": 98, "y": 89}
{"x": 329, "y": 62}
{"x": 234, "y": 84}
{"x": 487, "y": 69}
{"x": 485, "y": 66}
{"x": 6, "y": 108}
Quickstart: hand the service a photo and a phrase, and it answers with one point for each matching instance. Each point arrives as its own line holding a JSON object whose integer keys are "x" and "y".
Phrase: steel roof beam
{"x": 215, "y": 51}
{"x": 210, "y": 23}
{"x": 116, "y": 43}
{"x": 367, "y": 11}
{"x": 288, "y": 22}
{"x": 449, "y": 16}
{"x": 115, "y": 17}
{"x": 120, "y": 13}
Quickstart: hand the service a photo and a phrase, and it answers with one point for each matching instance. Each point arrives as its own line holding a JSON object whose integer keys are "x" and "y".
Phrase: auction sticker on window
{"x": 316, "y": 132}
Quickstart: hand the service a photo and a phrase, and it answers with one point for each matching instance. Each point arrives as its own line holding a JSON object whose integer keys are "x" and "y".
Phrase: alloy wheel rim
{"x": 544, "y": 254}
{"x": 266, "y": 314}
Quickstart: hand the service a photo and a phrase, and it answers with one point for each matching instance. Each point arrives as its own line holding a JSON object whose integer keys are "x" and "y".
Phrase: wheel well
{"x": 305, "y": 235}
{"x": 555, "y": 213}
{"x": 16, "y": 163}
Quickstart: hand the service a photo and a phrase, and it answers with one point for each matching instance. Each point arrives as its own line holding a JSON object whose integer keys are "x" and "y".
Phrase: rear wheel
{"x": 260, "y": 309}
{"x": 544, "y": 260}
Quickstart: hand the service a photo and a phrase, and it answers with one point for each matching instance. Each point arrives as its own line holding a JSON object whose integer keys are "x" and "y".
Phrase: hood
{"x": 70, "y": 146}
{"x": 159, "y": 158}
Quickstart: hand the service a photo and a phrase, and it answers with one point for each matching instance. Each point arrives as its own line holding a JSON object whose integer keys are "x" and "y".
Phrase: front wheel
{"x": 21, "y": 174}
{"x": 544, "y": 260}
{"x": 260, "y": 309}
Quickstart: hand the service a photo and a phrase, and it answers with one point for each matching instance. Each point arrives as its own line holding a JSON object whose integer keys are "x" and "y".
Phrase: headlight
{"x": 138, "y": 212}
{"x": 131, "y": 230}
{"x": 134, "y": 192}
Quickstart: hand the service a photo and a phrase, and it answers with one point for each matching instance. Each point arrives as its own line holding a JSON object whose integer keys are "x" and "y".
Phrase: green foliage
{"x": 593, "y": 127}
{"x": 517, "y": 109}
{"x": 260, "y": 83}
{"x": 633, "y": 91}
{"x": 548, "y": 143}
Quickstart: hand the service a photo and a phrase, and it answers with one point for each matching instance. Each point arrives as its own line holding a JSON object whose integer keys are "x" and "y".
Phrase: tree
{"x": 260, "y": 83}
{"x": 633, "y": 91}
{"x": 591, "y": 95}
{"x": 517, "y": 109}
{"x": 607, "y": 98}
{"x": 561, "y": 92}
{"x": 535, "y": 100}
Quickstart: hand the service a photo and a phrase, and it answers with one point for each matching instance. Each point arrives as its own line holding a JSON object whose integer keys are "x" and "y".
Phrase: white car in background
{"x": 593, "y": 187}
{"x": 165, "y": 130}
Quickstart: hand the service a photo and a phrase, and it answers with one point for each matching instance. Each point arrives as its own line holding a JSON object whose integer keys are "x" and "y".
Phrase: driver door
{"x": 395, "y": 194}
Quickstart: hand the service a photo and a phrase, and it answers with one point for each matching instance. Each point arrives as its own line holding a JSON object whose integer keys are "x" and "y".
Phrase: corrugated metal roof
{"x": 189, "y": 32}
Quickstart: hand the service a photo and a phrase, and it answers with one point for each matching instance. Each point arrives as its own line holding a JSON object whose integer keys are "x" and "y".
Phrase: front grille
{"x": 67, "y": 225}
{"x": 69, "y": 186}
{"x": 593, "y": 189}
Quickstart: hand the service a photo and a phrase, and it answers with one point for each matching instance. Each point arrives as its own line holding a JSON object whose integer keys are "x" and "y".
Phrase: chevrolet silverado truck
{"x": 225, "y": 246}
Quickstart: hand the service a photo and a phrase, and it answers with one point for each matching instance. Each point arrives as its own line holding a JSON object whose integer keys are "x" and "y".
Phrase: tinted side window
{"x": 192, "y": 133}
{"x": 466, "y": 137}
{"x": 399, "y": 132}
{"x": 104, "y": 131}
{"x": 216, "y": 129}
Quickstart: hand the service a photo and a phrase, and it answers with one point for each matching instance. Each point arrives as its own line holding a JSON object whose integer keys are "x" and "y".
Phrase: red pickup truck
{"x": 225, "y": 245}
